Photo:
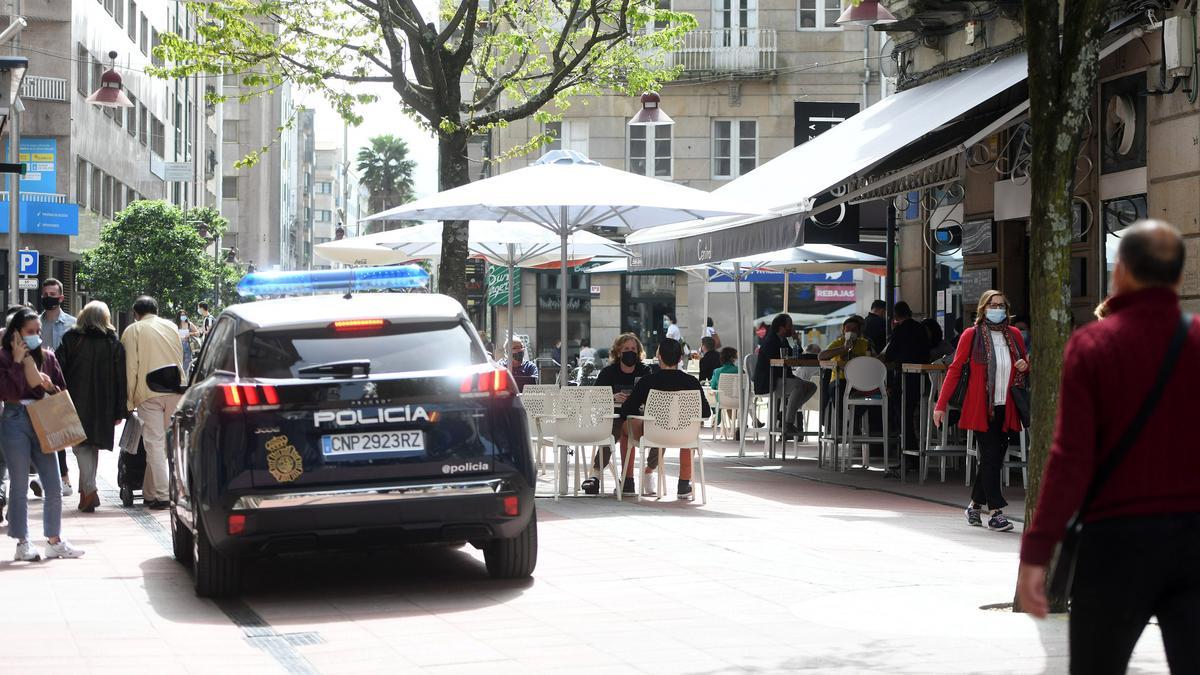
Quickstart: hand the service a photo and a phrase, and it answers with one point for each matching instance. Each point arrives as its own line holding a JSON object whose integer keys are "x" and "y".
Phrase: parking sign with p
{"x": 29, "y": 263}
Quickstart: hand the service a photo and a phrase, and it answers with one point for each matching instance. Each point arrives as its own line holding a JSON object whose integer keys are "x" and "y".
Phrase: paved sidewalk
{"x": 777, "y": 573}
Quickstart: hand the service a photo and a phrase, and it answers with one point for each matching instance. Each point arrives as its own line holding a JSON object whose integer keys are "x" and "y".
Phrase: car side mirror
{"x": 166, "y": 380}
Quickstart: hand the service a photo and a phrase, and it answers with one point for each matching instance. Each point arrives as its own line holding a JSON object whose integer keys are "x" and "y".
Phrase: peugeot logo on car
{"x": 358, "y": 417}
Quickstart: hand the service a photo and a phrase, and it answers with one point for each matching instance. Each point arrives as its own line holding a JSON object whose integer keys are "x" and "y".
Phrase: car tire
{"x": 217, "y": 575}
{"x": 513, "y": 558}
{"x": 181, "y": 541}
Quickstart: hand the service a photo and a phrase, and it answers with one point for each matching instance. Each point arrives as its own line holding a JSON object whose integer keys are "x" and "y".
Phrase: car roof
{"x": 320, "y": 310}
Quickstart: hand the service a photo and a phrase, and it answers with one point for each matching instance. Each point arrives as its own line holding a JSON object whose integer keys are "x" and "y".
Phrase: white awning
{"x": 787, "y": 185}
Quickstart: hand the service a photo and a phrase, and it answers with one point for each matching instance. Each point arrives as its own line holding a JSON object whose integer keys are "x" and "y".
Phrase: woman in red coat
{"x": 995, "y": 353}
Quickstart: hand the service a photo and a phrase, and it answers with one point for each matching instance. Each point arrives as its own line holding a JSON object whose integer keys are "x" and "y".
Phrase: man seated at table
{"x": 794, "y": 390}
{"x": 668, "y": 377}
{"x": 710, "y": 358}
{"x": 524, "y": 372}
{"x": 623, "y": 371}
{"x": 909, "y": 344}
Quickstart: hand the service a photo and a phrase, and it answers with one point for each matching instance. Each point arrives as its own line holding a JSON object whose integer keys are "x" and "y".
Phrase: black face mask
{"x": 518, "y": 357}
{"x": 49, "y": 302}
{"x": 630, "y": 358}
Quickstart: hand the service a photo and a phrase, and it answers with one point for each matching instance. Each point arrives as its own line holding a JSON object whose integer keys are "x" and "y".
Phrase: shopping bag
{"x": 56, "y": 423}
{"x": 131, "y": 435}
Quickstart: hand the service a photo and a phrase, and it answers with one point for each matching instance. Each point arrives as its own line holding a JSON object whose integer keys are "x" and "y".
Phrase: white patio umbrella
{"x": 565, "y": 192}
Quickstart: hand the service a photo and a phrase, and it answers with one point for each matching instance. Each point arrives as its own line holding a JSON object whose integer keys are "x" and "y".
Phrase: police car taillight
{"x": 247, "y": 395}
{"x": 487, "y": 383}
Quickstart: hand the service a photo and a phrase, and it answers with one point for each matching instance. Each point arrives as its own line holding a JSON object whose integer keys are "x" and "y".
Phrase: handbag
{"x": 1062, "y": 567}
{"x": 1020, "y": 395}
{"x": 960, "y": 390}
{"x": 56, "y": 422}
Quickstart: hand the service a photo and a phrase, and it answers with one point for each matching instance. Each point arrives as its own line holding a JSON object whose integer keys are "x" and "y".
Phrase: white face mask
{"x": 851, "y": 336}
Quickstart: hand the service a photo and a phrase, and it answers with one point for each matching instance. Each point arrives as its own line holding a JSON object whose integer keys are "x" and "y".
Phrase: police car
{"x": 330, "y": 421}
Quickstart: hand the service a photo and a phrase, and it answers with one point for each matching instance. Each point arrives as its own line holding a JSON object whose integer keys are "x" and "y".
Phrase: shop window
{"x": 645, "y": 300}
{"x": 579, "y": 311}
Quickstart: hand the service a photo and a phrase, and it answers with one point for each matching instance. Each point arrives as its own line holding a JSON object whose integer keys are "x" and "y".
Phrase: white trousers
{"x": 156, "y": 419}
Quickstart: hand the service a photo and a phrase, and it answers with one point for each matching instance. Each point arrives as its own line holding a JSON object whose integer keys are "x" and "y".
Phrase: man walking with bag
{"x": 1125, "y": 457}
{"x": 151, "y": 343}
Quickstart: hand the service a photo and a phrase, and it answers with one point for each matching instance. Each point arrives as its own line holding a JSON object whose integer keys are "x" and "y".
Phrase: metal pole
{"x": 14, "y": 180}
{"x": 737, "y": 309}
{"x": 889, "y": 283}
{"x": 564, "y": 280}
{"x": 511, "y": 259}
{"x": 220, "y": 267}
{"x": 786, "y": 278}
{"x": 196, "y": 136}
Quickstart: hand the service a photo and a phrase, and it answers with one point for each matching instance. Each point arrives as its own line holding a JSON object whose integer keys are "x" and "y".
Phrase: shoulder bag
{"x": 1020, "y": 393}
{"x": 1062, "y": 568}
{"x": 964, "y": 376}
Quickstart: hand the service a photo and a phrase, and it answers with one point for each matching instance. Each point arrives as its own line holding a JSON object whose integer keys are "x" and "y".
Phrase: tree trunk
{"x": 453, "y": 171}
{"x": 1062, "y": 82}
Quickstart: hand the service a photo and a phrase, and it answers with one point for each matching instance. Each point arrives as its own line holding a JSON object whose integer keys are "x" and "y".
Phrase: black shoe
{"x": 158, "y": 506}
{"x": 36, "y": 486}
{"x": 628, "y": 489}
{"x": 3, "y": 506}
{"x": 591, "y": 486}
{"x": 684, "y": 490}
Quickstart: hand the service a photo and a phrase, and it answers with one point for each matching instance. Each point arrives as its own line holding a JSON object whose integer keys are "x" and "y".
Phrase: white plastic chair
{"x": 539, "y": 402}
{"x": 728, "y": 409}
{"x": 753, "y": 400}
{"x": 584, "y": 419}
{"x": 864, "y": 374}
{"x": 671, "y": 420}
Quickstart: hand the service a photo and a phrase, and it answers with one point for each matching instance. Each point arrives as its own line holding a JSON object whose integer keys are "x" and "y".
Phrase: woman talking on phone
{"x": 28, "y": 372}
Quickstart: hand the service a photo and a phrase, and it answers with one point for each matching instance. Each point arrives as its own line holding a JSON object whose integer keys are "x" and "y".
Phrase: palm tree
{"x": 387, "y": 172}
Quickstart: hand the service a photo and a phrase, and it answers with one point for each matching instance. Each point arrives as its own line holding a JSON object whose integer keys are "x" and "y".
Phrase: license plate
{"x": 375, "y": 443}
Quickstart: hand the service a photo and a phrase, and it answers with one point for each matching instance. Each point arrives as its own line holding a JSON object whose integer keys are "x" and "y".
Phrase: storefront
{"x": 646, "y": 300}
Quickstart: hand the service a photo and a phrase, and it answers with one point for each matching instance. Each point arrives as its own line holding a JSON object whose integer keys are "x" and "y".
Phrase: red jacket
{"x": 975, "y": 409}
{"x": 1108, "y": 368}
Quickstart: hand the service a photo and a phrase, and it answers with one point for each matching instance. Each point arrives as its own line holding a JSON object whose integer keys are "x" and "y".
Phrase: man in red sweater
{"x": 1139, "y": 554}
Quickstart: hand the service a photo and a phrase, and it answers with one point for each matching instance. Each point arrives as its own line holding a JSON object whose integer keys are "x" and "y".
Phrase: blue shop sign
{"x": 40, "y": 157}
{"x": 43, "y": 218}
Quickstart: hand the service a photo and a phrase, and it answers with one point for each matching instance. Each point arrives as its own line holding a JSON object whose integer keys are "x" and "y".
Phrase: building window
{"x": 569, "y": 135}
{"x": 324, "y": 215}
{"x": 324, "y": 187}
{"x": 131, "y": 27}
{"x": 82, "y": 69}
{"x": 143, "y": 122}
{"x": 650, "y": 150}
{"x": 131, "y": 120}
{"x": 97, "y": 74}
{"x": 158, "y": 136}
{"x": 118, "y": 191}
{"x": 229, "y": 131}
{"x": 130, "y": 196}
{"x": 97, "y": 181}
{"x": 154, "y": 42}
{"x": 108, "y": 6}
{"x": 229, "y": 187}
{"x": 119, "y": 12}
{"x": 81, "y": 182}
{"x": 143, "y": 34}
{"x": 735, "y": 147}
{"x": 106, "y": 204}
{"x": 819, "y": 14}
{"x": 737, "y": 19}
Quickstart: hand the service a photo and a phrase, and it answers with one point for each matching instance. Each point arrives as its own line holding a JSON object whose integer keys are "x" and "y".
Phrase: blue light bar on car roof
{"x": 327, "y": 281}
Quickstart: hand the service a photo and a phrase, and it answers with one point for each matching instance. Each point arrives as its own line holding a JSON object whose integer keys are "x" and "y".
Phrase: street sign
{"x": 29, "y": 263}
{"x": 177, "y": 171}
{"x": 27, "y": 283}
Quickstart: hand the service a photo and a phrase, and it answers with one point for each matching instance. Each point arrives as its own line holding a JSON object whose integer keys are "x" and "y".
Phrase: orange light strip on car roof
{"x": 352, "y": 325}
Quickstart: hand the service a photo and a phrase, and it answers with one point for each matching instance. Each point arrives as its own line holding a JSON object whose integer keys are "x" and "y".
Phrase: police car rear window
{"x": 396, "y": 349}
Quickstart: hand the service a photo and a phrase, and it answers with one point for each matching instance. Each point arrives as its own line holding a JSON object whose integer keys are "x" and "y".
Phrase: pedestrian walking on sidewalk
{"x": 991, "y": 355}
{"x": 152, "y": 343}
{"x": 93, "y": 365}
{"x": 28, "y": 372}
{"x": 1125, "y": 457}
{"x": 55, "y": 322}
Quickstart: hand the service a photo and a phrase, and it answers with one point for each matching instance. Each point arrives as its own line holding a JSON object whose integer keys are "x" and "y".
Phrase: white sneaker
{"x": 63, "y": 549}
{"x": 66, "y": 491}
{"x": 26, "y": 552}
{"x": 649, "y": 483}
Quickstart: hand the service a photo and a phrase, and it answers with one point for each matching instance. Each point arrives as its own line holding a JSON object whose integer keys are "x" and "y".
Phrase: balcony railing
{"x": 746, "y": 52}
{"x": 36, "y": 87}
{"x": 46, "y": 197}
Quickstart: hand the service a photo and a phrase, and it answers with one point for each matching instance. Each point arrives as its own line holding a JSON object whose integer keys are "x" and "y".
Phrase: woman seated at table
{"x": 850, "y": 345}
{"x": 624, "y": 369}
{"x": 728, "y": 365}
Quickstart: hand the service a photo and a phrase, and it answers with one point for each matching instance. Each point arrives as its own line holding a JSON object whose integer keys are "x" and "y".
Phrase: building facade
{"x": 759, "y": 78}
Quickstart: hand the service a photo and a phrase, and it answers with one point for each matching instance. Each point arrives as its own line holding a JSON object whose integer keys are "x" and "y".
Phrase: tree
{"x": 482, "y": 66}
{"x": 1064, "y": 51}
{"x": 387, "y": 172}
{"x": 214, "y": 227}
{"x": 148, "y": 249}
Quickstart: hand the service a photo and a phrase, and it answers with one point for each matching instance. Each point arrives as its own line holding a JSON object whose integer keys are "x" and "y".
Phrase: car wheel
{"x": 181, "y": 541}
{"x": 216, "y": 575}
{"x": 513, "y": 558}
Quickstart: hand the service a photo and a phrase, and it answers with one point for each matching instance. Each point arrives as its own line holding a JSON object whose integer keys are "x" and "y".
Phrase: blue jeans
{"x": 21, "y": 449}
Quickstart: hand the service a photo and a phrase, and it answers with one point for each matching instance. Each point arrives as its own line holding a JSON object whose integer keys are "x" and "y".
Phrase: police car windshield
{"x": 399, "y": 348}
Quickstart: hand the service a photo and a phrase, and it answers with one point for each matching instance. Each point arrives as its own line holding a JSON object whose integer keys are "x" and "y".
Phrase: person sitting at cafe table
{"x": 909, "y": 344}
{"x": 517, "y": 364}
{"x": 794, "y": 390}
{"x": 850, "y": 345}
{"x": 668, "y": 377}
{"x": 728, "y": 356}
{"x": 623, "y": 371}
{"x": 710, "y": 358}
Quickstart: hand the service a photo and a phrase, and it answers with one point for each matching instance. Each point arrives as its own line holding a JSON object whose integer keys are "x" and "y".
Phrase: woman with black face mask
{"x": 624, "y": 369}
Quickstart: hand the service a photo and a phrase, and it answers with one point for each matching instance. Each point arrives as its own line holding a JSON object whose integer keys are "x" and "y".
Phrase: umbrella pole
{"x": 737, "y": 309}
{"x": 786, "y": 278}
{"x": 511, "y": 260}
{"x": 562, "y": 298}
